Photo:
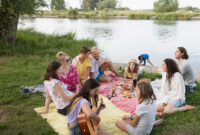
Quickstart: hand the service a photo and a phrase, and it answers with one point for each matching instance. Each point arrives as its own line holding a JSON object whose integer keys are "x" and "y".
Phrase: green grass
{"x": 109, "y": 13}
{"x": 17, "y": 116}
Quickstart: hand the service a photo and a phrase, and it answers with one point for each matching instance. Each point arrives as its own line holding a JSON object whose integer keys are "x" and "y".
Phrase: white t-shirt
{"x": 147, "y": 113}
{"x": 58, "y": 101}
{"x": 95, "y": 65}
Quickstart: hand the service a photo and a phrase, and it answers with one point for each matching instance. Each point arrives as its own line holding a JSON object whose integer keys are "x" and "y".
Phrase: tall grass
{"x": 30, "y": 42}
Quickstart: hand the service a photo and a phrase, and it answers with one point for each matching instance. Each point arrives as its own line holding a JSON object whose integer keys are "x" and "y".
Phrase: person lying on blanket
{"x": 143, "y": 120}
{"x": 99, "y": 65}
{"x": 82, "y": 102}
{"x": 55, "y": 89}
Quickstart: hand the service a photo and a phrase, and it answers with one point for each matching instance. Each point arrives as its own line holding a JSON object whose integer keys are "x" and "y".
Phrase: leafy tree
{"x": 58, "y": 5}
{"x": 10, "y": 10}
{"x": 89, "y": 4}
{"x": 107, "y": 4}
{"x": 165, "y": 5}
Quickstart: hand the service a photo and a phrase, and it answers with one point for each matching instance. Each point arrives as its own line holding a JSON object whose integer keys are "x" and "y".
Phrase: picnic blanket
{"x": 109, "y": 116}
{"x": 116, "y": 107}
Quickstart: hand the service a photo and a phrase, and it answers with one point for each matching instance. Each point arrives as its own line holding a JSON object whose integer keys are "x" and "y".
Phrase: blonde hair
{"x": 60, "y": 55}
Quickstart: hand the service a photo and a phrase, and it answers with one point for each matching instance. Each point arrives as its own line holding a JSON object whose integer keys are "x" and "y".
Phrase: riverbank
{"x": 115, "y": 14}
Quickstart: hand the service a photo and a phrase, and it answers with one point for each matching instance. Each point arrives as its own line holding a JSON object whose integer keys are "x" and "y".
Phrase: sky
{"x": 136, "y": 4}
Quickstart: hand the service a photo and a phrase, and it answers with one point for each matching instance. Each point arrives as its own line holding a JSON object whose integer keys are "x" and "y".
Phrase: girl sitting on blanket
{"x": 142, "y": 122}
{"x": 55, "y": 89}
{"x": 131, "y": 72}
{"x": 172, "y": 89}
{"x": 83, "y": 101}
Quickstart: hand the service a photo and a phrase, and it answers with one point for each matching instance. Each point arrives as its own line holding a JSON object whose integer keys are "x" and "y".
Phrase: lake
{"x": 122, "y": 39}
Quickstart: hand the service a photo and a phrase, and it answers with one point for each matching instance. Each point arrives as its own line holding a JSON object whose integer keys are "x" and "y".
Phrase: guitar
{"x": 87, "y": 125}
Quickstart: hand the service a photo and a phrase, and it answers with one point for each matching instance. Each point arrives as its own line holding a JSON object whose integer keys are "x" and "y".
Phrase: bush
{"x": 110, "y": 4}
{"x": 73, "y": 12}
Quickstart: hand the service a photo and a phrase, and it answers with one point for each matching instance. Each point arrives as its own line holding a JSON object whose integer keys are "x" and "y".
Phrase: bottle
{"x": 113, "y": 89}
{"x": 134, "y": 83}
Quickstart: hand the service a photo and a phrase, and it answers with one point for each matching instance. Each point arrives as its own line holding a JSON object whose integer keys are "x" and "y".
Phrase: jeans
{"x": 189, "y": 89}
{"x": 74, "y": 130}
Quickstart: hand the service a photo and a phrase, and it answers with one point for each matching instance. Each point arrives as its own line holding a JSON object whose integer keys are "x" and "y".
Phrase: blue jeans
{"x": 189, "y": 89}
{"x": 74, "y": 130}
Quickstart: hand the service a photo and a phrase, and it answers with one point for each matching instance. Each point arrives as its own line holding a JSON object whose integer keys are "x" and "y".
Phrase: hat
{"x": 133, "y": 61}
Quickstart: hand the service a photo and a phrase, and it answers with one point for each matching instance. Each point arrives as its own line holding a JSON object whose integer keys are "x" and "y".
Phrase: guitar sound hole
{"x": 92, "y": 124}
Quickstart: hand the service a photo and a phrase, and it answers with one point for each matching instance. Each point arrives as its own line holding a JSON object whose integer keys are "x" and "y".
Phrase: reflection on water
{"x": 122, "y": 39}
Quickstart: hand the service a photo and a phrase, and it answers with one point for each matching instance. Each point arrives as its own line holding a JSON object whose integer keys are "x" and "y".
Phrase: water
{"x": 123, "y": 39}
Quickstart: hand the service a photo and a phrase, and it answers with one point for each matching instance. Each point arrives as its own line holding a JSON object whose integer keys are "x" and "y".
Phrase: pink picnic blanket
{"x": 126, "y": 104}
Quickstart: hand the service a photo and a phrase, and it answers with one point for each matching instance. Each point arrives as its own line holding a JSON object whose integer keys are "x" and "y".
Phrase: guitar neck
{"x": 98, "y": 110}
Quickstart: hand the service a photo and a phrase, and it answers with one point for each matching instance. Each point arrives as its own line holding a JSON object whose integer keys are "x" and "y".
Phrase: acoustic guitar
{"x": 87, "y": 125}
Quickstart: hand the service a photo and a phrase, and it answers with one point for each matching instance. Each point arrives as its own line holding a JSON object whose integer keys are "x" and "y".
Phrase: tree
{"x": 165, "y": 5}
{"x": 58, "y": 5}
{"x": 10, "y": 10}
{"x": 107, "y": 4}
{"x": 89, "y": 4}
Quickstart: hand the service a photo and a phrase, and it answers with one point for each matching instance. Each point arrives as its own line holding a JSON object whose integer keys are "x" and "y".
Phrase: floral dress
{"x": 71, "y": 78}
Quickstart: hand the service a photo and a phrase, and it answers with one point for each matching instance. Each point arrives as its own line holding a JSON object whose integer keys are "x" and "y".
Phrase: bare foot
{"x": 191, "y": 107}
{"x": 158, "y": 122}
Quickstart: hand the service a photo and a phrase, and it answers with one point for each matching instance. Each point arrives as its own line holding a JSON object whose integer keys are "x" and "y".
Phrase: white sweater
{"x": 174, "y": 91}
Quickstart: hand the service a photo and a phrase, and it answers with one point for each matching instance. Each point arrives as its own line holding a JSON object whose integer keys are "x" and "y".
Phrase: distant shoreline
{"x": 107, "y": 17}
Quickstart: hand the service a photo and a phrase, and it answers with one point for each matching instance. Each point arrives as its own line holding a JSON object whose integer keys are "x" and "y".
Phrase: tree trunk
{"x": 8, "y": 24}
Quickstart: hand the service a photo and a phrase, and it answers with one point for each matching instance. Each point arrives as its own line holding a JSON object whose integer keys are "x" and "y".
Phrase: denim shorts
{"x": 177, "y": 103}
{"x": 99, "y": 75}
{"x": 74, "y": 130}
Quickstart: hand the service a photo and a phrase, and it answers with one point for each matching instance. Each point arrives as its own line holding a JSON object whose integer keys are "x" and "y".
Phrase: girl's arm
{"x": 89, "y": 113}
{"x": 47, "y": 102}
{"x": 133, "y": 122}
{"x": 61, "y": 92}
{"x": 77, "y": 88}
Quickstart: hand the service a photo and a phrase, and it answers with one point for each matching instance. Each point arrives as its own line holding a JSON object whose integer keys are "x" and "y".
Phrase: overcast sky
{"x": 136, "y": 4}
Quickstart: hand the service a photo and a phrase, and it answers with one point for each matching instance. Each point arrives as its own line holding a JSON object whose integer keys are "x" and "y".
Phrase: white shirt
{"x": 58, "y": 101}
{"x": 147, "y": 113}
{"x": 173, "y": 91}
{"x": 95, "y": 65}
{"x": 187, "y": 72}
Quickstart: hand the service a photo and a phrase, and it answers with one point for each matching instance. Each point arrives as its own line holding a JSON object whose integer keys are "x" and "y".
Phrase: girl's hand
{"x": 125, "y": 117}
{"x": 43, "y": 112}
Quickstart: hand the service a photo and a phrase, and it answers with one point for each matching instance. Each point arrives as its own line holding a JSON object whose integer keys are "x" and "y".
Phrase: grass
{"x": 109, "y": 13}
{"x": 17, "y": 116}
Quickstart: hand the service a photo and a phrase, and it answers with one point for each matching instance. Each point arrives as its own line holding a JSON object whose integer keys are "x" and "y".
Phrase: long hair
{"x": 184, "y": 52}
{"x": 146, "y": 92}
{"x": 51, "y": 71}
{"x": 85, "y": 92}
{"x": 172, "y": 68}
{"x": 136, "y": 68}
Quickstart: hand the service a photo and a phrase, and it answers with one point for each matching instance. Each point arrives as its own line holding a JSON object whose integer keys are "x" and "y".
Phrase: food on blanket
{"x": 127, "y": 94}
{"x": 145, "y": 80}
{"x": 127, "y": 86}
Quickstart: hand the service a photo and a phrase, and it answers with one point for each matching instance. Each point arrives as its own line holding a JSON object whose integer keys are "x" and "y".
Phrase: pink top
{"x": 71, "y": 78}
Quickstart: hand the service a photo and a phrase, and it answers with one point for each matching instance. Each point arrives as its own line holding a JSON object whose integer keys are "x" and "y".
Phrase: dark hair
{"x": 135, "y": 69}
{"x": 85, "y": 92}
{"x": 171, "y": 68}
{"x": 184, "y": 52}
{"x": 51, "y": 71}
{"x": 140, "y": 57}
{"x": 84, "y": 49}
{"x": 146, "y": 92}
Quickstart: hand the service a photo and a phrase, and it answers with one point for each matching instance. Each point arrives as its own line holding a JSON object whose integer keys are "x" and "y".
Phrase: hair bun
{"x": 60, "y": 53}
